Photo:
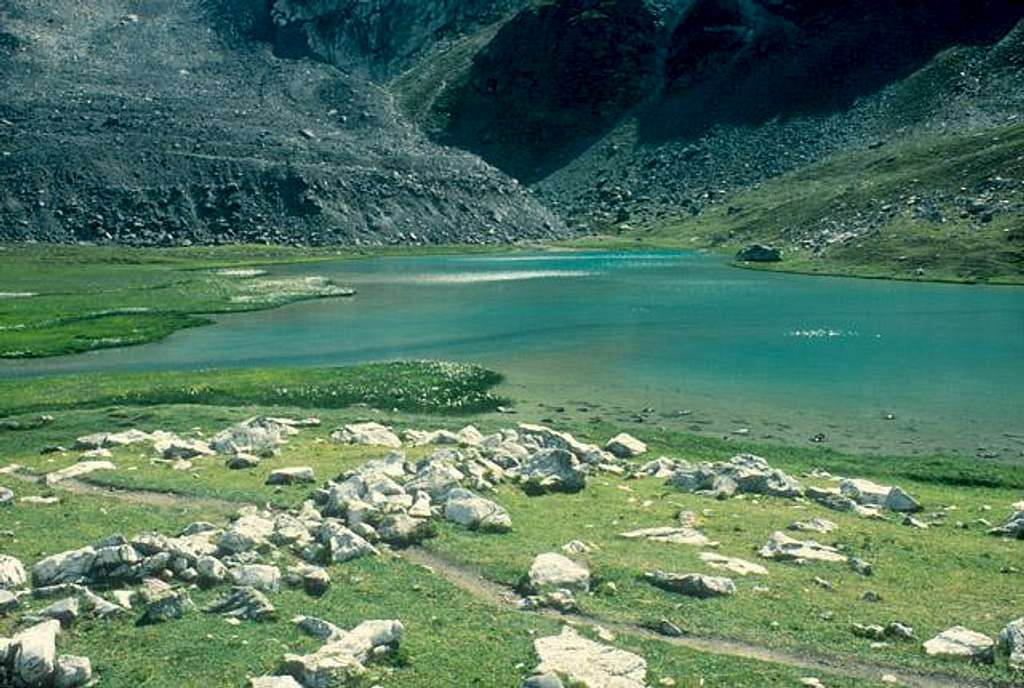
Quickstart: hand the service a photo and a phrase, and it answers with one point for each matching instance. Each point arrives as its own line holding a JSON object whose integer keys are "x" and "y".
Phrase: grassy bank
{"x": 418, "y": 386}
{"x": 943, "y": 208}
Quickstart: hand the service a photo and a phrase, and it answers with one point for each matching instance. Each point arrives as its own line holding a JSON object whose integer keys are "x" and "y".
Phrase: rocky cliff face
{"x": 382, "y": 37}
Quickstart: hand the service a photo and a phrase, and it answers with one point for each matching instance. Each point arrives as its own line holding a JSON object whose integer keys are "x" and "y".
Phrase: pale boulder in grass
{"x": 342, "y": 658}
{"x": 12, "y": 573}
{"x": 369, "y": 434}
{"x": 36, "y": 660}
{"x": 77, "y": 470}
{"x": 291, "y": 476}
{"x": 962, "y": 642}
{"x": 781, "y": 547}
{"x": 551, "y": 571}
{"x": 692, "y": 584}
{"x": 625, "y": 446}
{"x": 740, "y": 567}
{"x": 274, "y": 682}
{"x": 72, "y": 671}
{"x": 476, "y": 513}
{"x": 1011, "y": 639}
{"x": 588, "y": 663}
{"x": 263, "y": 577}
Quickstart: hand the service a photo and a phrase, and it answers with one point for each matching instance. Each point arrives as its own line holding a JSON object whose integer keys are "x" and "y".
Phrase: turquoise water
{"x": 781, "y": 356}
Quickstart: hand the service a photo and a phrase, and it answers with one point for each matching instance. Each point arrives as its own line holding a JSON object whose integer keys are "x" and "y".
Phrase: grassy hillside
{"x": 938, "y": 208}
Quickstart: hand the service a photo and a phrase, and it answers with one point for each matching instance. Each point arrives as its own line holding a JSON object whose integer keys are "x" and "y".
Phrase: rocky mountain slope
{"x": 409, "y": 120}
{"x": 196, "y": 121}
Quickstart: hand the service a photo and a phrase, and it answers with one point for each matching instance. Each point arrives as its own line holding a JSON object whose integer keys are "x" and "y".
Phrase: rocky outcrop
{"x": 743, "y": 474}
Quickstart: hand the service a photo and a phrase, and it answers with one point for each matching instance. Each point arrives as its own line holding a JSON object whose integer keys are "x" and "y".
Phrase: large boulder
{"x": 243, "y": 603}
{"x": 759, "y": 253}
{"x": 342, "y": 543}
{"x": 542, "y": 437}
{"x": 274, "y": 682}
{"x": 587, "y": 663}
{"x": 262, "y": 577}
{"x": 341, "y": 660}
{"x": 625, "y": 446}
{"x": 12, "y": 573}
{"x": 1011, "y": 639}
{"x": 476, "y": 513}
{"x": 259, "y": 436}
{"x": 169, "y": 606}
{"x": 553, "y": 470}
{"x": 781, "y": 547}
{"x": 370, "y": 434}
{"x": 291, "y": 476}
{"x": 248, "y": 532}
{"x": 551, "y": 571}
{"x": 72, "y": 671}
{"x": 35, "y": 660}
{"x": 744, "y": 473}
{"x": 692, "y": 584}
{"x": 867, "y": 493}
{"x": 66, "y": 567}
{"x": 961, "y": 642}
{"x": 1013, "y": 527}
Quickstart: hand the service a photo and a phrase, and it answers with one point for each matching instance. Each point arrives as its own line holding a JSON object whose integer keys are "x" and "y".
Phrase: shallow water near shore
{"x": 871, "y": 365}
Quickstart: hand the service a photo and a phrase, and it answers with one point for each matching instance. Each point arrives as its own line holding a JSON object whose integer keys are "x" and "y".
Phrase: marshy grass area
{"x": 57, "y": 300}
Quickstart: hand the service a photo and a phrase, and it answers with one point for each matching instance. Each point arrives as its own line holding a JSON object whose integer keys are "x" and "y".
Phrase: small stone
{"x": 291, "y": 476}
{"x": 65, "y": 611}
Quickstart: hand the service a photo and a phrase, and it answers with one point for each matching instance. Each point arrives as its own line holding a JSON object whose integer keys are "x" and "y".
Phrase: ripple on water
{"x": 478, "y": 277}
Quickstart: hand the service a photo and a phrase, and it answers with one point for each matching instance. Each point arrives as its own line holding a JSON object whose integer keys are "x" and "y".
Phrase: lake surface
{"x": 706, "y": 346}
